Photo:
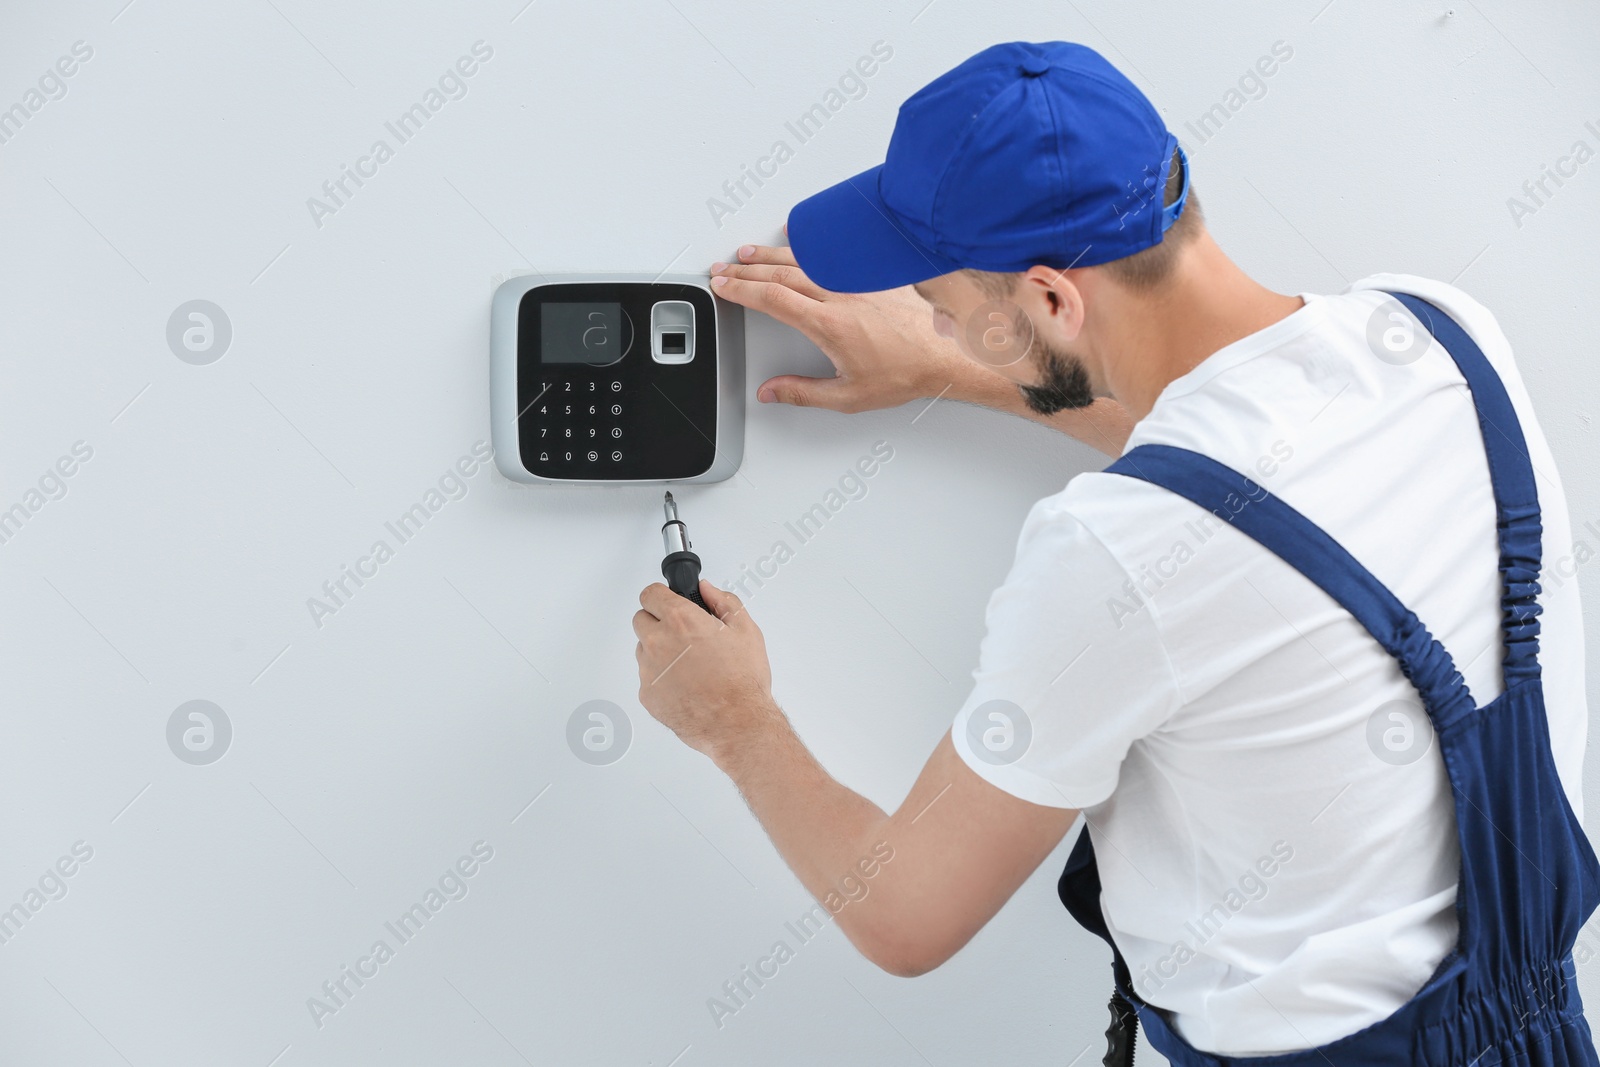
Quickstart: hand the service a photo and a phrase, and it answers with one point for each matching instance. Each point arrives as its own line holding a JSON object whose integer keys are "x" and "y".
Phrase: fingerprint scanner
{"x": 672, "y": 331}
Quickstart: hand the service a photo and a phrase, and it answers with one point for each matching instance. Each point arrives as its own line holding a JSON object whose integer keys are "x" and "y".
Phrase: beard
{"x": 1065, "y": 387}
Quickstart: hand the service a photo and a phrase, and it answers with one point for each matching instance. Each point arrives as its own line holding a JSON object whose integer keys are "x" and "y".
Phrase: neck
{"x": 1153, "y": 339}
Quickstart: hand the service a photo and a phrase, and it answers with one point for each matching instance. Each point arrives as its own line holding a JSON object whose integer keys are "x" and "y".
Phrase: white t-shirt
{"x": 1278, "y": 866}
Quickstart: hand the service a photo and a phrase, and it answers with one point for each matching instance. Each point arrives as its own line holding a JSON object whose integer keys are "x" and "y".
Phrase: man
{"x": 1302, "y": 833}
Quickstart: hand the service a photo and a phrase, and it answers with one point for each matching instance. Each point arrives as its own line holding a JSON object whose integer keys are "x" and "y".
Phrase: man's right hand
{"x": 882, "y": 345}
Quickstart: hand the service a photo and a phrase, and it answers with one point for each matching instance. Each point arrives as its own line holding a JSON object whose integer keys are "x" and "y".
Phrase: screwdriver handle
{"x": 1122, "y": 1034}
{"x": 682, "y": 572}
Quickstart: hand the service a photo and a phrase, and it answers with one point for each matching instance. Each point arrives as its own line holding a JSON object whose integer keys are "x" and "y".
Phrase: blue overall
{"x": 1507, "y": 993}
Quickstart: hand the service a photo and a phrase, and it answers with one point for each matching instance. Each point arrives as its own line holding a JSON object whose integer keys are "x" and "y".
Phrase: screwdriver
{"x": 681, "y": 567}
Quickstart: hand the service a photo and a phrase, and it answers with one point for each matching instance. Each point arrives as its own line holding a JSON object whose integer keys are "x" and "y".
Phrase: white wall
{"x": 370, "y": 753}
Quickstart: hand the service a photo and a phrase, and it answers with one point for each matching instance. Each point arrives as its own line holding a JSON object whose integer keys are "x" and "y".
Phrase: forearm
{"x": 909, "y": 888}
{"x": 1103, "y": 426}
{"x": 822, "y": 829}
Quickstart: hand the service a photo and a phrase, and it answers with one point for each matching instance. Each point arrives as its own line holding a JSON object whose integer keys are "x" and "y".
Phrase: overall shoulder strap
{"x": 1516, "y": 494}
{"x": 1305, "y": 546}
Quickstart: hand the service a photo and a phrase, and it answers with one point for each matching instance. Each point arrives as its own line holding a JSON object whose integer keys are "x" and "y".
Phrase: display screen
{"x": 581, "y": 333}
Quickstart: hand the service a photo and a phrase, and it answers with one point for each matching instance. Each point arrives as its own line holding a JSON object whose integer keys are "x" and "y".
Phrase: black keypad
{"x": 577, "y": 422}
{"x": 625, "y": 420}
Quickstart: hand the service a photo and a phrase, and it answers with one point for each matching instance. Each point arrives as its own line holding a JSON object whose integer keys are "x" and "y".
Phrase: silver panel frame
{"x": 503, "y": 313}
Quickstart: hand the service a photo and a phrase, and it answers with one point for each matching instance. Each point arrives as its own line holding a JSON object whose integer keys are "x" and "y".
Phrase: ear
{"x": 1054, "y": 295}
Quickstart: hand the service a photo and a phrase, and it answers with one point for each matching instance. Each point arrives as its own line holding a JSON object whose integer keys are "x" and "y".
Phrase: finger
{"x": 785, "y": 274}
{"x": 781, "y": 254}
{"x": 664, "y": 604}
{"x": 779, "y": 301}
{"x": 725, "y": 605}
{"x": 831, "y": 394}
{"x": 656, "y": 598}
{"x": 643, "y": 621}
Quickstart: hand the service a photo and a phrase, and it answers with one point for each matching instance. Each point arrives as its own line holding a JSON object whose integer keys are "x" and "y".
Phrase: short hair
{"x": 1145, "y": 269}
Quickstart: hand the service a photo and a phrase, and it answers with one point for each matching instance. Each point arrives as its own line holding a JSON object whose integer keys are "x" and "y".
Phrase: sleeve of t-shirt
{"x": 1071, "y": 671}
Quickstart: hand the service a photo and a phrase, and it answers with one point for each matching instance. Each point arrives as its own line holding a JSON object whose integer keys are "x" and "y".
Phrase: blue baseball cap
{"x": 1024, "y": 154}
